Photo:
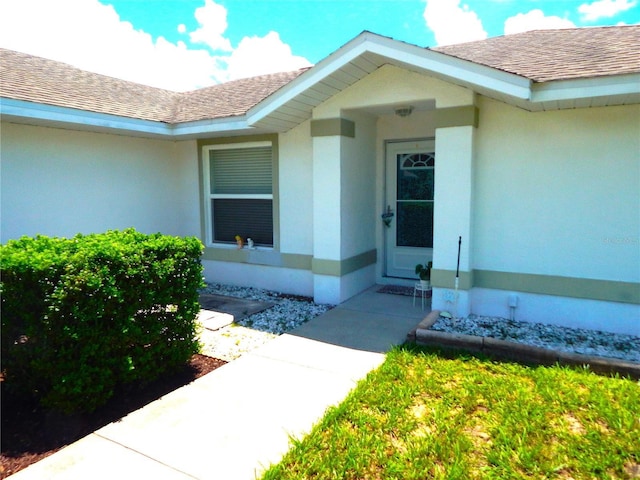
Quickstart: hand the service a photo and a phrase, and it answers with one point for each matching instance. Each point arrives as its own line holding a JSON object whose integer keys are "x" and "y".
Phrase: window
{"x": 239, "y": 186}
{"x": 415, "y": 199}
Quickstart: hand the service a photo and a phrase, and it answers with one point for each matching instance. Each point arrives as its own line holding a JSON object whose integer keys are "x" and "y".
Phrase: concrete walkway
{"x": 237, "y": 420}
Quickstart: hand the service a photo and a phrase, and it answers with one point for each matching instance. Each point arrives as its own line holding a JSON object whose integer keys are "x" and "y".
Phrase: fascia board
{"x": 23, "y": 111}
{"x": 586, "y": 88}
{"x": 315, "y": 74}
{"x": 456, "y": 70}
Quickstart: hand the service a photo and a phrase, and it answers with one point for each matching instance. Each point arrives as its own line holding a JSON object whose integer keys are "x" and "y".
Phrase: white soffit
{"x": 294, "y": 103}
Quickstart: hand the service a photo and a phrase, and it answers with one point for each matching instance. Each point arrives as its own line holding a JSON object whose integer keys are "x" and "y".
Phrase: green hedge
{"x": 83, "y": 315}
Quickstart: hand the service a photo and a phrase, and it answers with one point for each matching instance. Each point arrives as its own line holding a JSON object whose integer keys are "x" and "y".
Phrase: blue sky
{"x": 187, "y": 44}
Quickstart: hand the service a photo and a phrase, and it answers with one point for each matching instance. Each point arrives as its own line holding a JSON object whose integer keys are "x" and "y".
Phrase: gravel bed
{"x": 288, "y": 312}
{"x": 574, "y": 340}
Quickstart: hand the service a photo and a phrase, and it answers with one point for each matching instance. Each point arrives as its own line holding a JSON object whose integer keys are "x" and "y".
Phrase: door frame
{"x": 387, "y": 190}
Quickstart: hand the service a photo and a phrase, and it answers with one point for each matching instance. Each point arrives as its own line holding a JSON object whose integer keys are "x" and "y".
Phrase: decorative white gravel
{"x": 287, "y": 313}
{"x": 229, "y": 343}
{"x": 574, "y": 340}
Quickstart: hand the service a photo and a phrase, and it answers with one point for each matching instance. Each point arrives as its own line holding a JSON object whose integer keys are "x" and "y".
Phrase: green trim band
{"x": 258, "y": 257}
{"x": 335, "y": 268}
{"x": 328, "y": 127}
{"x": 457, "y": 117}
{"x": 339, "y": 268}
{"x": 606, "y": 290}
{"x": 297, "y": 261}
{"x": 587, "y": 288}
{"x": 447, "y": 278}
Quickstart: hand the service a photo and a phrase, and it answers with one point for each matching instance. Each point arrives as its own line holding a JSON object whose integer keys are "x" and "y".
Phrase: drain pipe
{"x": 513, "y": 304}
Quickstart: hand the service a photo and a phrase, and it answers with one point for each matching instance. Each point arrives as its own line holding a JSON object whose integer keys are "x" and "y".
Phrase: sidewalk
{"x": 237, "y": 420}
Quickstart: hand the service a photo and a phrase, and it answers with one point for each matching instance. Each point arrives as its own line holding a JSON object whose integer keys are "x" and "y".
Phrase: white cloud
{"x": 91, "y": 36}
{"x": 213, "y": 23}
{"x": 260, "y": 55}
{"x": 452, "y": 23}
{"x": 534, "y": 20}
{"x": 604, "y": 8}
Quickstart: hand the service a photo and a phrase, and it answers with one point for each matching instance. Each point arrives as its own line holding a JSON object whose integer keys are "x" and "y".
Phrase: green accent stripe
{"x": 606, "y": 290}
{"x": 456, "y": 117}
{"x": 335, "y": 268}
{"x": 225, "y": 255}
{"x": 447, "y": 278}
{"x": 333, "y": 126}
{"x": 258, "y": 257}
{"x": 339, "y": 268}
{"x": 296, "y": 261}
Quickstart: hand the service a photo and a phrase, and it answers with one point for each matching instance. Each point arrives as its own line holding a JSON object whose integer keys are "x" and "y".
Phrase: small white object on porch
{"x": 423, "y": 289}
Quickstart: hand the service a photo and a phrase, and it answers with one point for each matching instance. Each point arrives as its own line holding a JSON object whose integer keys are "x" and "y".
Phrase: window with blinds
{"x": 240, "y": 187}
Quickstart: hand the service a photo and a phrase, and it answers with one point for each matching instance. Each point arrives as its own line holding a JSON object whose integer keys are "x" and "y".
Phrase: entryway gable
{"x": 385, "y": 89}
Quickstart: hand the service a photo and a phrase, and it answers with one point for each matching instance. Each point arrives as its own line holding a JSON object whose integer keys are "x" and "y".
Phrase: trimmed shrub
{"x": 82, "y": 315}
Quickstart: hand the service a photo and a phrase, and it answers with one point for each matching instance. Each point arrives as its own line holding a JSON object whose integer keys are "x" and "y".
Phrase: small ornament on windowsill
{"x": 250, "y": 245}
{"x": 239, "y": 241}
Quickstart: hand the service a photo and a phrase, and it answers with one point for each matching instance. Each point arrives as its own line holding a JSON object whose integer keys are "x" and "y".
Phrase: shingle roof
{"x": 35, "y": 79}
{"x": 542, "y": 56}
{"x": 231, "y": 98}
{"x": 547, "y": 55}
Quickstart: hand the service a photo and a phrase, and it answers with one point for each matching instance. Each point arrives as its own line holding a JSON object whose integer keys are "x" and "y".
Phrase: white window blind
{"x": 240, "y": 179}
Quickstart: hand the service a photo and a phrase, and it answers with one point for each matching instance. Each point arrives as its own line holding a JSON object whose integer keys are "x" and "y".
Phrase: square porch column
{"x": 453, "y": 216}
{"x": 328, "y": 135}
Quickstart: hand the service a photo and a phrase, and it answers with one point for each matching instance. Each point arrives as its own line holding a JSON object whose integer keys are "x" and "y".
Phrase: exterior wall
{"x": 557, "y": 195}
{"x": 375, "y": 90}
{"x": 571, "y": 182}
{"x": 296, "y": 190}
{"x": 277, "y": 278}
{"x": 61, "y": 182}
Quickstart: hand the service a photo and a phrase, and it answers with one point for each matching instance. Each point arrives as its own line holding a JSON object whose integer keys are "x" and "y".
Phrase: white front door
{"x": 410, "y": 168}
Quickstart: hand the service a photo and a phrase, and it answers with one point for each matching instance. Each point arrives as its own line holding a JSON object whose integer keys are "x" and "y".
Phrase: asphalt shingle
{"x": 40, "y": 80}
{"x": 548, "y": 55}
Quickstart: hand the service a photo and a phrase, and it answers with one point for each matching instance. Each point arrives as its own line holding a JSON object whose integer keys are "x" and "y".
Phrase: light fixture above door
{"x": 404, "y": 111}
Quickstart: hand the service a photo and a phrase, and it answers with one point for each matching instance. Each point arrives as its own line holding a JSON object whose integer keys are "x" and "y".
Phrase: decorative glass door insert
{"x": 414, "y": 204}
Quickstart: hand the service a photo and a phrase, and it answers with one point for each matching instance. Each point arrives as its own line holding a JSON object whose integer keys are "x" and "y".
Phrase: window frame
{"x": 208, "y": 196}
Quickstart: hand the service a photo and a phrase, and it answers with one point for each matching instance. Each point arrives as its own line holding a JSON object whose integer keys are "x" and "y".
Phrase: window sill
{"x": 231, "y": 253}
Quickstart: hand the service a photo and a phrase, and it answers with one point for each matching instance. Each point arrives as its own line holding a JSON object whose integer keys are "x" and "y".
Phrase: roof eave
{"x": 389, "y": 51}
{"x": 30, "y": 113}
{"x": 596, "y": 91}
{"x": 282, "y": 110}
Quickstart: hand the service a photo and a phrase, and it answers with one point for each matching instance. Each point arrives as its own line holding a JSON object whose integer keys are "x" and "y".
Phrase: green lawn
{"x": 425, "y": 414}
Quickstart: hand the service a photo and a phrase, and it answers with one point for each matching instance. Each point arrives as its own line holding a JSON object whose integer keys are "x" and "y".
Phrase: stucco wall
{"x": 61, "y": 182}
{"x": 557, "y": 193}
{"x": 295, "y": 185}
{"x": 358, "y": 180}
{"x": 390, "y": 85}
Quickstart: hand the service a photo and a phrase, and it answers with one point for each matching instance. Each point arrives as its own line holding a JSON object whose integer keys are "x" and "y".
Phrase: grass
{"x": 426, "y": 414}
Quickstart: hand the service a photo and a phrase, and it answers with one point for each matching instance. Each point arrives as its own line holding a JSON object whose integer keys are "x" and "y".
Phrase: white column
{"x": 453, "y": 215}
{"x": 326, "y": 214}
